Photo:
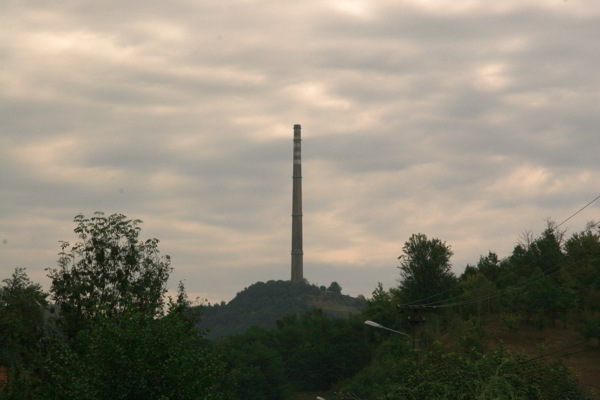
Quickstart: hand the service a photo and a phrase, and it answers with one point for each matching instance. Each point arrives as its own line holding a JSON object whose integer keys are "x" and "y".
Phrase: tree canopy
{"x": 109, "y": 270}
{"x": 424, "y": 268}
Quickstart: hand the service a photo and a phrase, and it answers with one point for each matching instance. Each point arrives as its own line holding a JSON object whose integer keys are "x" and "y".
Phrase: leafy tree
{"x": 22, "y": 307}
{"x": 335, "y": 288}
{"x": 255, "y": 368}
{"x": 546, "y": 251}
{"x": 477, "y": 286}
{"x": 489, "y": 266}
{"x": 544, "y": 287}
{"x": 135, "y": 357}
{"x": 109, "y": 271}
{"x": 319, "y": 351}
{"x": 543, "y": 253}
{"x": 122, "y": 343}
{"x": 583, "y": 254}
{"x": 425, "y": 269}
{"x": 381, "y": 307}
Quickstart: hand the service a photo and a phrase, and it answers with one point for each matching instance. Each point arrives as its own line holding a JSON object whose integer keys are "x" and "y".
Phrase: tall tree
{"x": 583, "y": 255}
{"x": 425, "y": 269}
{"x": 122, "y": 343}
{"x": 22, "y": 311}
{"x": 108, "y": 271}
{"x": 22, "y": 307}
{"x": 335, "y": 288}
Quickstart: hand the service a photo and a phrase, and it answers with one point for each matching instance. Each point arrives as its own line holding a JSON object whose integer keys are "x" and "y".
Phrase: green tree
{"x": 122, "y": 343}
{"x": 318, "y": 350}
{"x": 496, "y": 374}
{"x": 425, "y": 269}
{"x": 543, "y": 284}
{"x": 22, "y": 307}
{"x": 255, "y": 368}
{"x": 109, "y": 271}
{"x": 335, "y": 288}
{"x": 135, "y": 357}
{"x": 583, "y": 255}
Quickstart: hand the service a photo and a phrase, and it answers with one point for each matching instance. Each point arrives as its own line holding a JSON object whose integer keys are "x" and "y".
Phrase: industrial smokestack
{"x": 297, "y": 252}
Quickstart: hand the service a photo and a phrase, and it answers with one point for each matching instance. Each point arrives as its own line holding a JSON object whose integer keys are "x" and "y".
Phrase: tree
{"x": 425, "y": 269}
{"x": 335, "y": 288}
{"x": 22, "y": 311}
{"x": 496, "y": 374}
{"x": 319, "y": 351}
{"x": 109, "y": 271}
{"x": 583, "y": 255}
{"x": 22, "y": 308}
{"x": 135, "y": 357}
{"x": 381, "y": 307}
{"x": 123, "y": 343}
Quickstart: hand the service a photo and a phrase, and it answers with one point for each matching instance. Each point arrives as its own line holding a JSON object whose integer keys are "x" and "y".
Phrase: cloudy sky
{"x": 470, "y": 121}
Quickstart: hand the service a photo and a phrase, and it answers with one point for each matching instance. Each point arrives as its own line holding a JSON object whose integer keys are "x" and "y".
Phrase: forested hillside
{"x": 263, "y": 304}
{"x": 525, "y": 326}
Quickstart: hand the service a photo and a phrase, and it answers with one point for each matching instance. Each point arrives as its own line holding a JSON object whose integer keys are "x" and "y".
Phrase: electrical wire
{"x": 436, "y": 303}
{"x": 578, "y": 211}
{"x": 556, "y": 269}
{"x": 415, "y": 302}
{"x": 558, "y": 351}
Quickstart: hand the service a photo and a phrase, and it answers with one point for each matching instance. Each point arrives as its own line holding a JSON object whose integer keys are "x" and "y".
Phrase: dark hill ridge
{"x": 262, "y": 304}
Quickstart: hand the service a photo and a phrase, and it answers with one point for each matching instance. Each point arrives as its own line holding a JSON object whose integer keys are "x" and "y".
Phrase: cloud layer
{"x": 463, "y": 120}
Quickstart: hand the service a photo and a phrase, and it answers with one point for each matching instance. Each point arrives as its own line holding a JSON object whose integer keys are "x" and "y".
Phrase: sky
{"x": 466, "y": 120}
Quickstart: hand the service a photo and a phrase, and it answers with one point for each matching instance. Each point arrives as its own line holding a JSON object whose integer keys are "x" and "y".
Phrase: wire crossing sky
{"x": 467, "y": 121}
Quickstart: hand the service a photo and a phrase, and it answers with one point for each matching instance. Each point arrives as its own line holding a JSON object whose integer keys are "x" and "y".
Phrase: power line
{"x": 512, "y": 272}
{"x": 558, "y": 268}
{"x": 558, "y": 351}
{"x": 578, "y": 211}
{"x": 549, "y": 272}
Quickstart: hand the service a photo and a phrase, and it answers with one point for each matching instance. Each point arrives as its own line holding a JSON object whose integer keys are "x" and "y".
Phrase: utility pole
{"x": 416, "y": 318}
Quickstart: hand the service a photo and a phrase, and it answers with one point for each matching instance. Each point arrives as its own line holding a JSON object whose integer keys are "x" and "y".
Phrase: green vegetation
{"x": 110, "y": 333}
{"x": 111, "y": 338}
{"x": 424, "y": 269}
{"x": 263, "y": 304}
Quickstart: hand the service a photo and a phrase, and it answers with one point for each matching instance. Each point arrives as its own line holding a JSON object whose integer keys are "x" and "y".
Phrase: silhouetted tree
{"x": 335, "y": 288}
{"x": 425, "y": 269}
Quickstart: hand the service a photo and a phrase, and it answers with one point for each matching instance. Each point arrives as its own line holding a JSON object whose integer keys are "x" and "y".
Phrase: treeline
{"x": 546, "y": 280}
{"x": 106, "y": 331}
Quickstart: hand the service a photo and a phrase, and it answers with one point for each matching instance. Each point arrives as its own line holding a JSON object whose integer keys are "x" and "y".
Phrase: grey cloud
{"x": 181, "y": 114}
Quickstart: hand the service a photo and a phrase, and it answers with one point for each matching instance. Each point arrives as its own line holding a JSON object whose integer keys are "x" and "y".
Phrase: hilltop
{"x": 262, "y": 304}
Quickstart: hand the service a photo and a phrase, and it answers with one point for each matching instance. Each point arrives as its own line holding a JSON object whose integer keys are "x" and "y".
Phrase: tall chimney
{"x": 297, "y": 252}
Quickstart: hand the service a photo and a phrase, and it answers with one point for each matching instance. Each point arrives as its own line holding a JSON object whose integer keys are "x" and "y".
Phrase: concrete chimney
{"x": 297, "y": 251}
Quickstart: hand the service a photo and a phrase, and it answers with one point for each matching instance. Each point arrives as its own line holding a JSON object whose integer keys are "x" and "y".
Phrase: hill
{"x": 262, "y": 304}
{"x": 581, "y": 355}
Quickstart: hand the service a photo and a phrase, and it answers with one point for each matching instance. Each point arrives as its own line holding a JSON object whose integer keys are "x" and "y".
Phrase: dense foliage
{"x": 424, "y": 269}
{"x": 108, "y": 272}
{"x": 112, "y": 333}
{"x": 264, "y": 303}
{"x": 307, "y": 352}
{"x": 111, "y": 337}
{"x": 497, "y": 374}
